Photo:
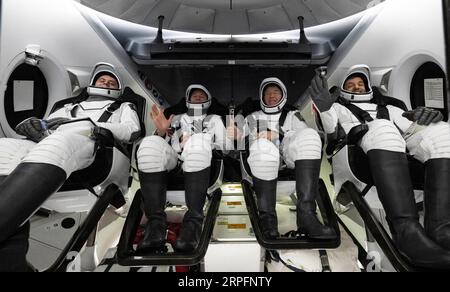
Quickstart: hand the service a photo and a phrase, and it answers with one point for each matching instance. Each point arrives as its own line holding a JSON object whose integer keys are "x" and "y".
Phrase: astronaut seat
{"x": 70, "y": 218}
{"x": 354, "y": 188}
{"x": 128, "y": 255}
{"x": 287, "y": 200}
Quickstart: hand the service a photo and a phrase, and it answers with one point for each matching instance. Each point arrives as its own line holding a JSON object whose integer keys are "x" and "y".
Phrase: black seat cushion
{"x": 93, "y": 175}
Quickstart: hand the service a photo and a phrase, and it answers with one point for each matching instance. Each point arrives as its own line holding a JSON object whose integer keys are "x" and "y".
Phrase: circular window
{"x": 26, "y": 95}
{"x": 429, "y": 88}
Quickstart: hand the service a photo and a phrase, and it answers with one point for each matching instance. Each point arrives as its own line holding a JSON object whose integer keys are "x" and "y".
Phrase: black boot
{"x": 307, "y": 174}
{"x": 24, "y": 191}
{"x": 266, "y": 195}
{"x": 437, "y": 201}
{"x": 13, "y": 251}
{"x": 391, "y": 176}
{"x": 196, "y": 186}
{"x": 154, "y": 188}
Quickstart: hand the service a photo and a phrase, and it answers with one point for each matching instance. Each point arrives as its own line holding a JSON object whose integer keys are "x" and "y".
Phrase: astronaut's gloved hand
{"x": 320, "y": 94}
{"x": 424, "y": 116}
{"x": 33, "y": 128}
{"x": 53, "y": 124}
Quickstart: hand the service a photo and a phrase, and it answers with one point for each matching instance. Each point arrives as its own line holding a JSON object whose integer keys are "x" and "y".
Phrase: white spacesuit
{"x": 385, "y": 132}
{"x": 193, "y": 136}
{"x": 276, "y": 132}
{"x": 31, "y": 171}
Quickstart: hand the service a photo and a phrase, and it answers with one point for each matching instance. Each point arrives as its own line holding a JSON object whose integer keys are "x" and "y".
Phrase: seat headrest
{"x": 71, "y": 100}
{"x": 253, "y": 105}
{"x": 389, "y": 100}
{"x": 180, "y": 108}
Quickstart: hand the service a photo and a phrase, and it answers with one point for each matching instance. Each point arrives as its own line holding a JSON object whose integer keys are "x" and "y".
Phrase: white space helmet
{"x": 198, "y": 108}
{"x": 362, "y": 71}
{"x": 278, "y": 107}
{"x": 104, "y": 69}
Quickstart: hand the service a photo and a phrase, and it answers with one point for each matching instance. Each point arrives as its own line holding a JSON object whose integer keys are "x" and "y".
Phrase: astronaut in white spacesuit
{"x": 277, "y": 132}
{"x": 32, "y": 170}
{"x": 385, "y": 132}
{"x": 188, "y": 138}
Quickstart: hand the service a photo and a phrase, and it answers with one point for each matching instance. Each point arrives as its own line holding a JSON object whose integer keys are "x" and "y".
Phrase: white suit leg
{"x": 197, "y": 153}
{"x": 264, "y": 159}
{"x": 67, "y": 150}
{"x": 156, "y": 155}
{"x": 12, "y": 151}
{"x": 431, "y": 143}
{"x": 383, "y": 135}
{"x": 304, "y": 144}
